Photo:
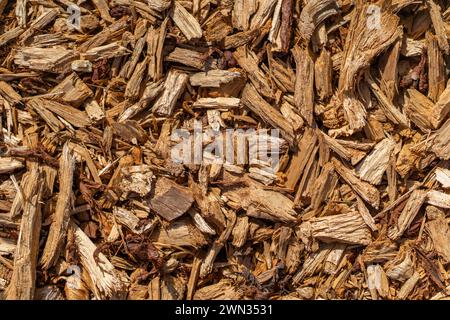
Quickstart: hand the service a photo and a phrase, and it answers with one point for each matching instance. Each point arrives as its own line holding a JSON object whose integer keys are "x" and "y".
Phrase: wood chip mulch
{"x": 93, "y": 205}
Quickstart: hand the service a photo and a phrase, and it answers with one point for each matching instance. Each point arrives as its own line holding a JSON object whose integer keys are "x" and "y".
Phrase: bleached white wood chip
{"x": 173, "y": 89}
{"x": 107, "y": 282}
{"x": 443, "y": 176}
{"x": 372, "y": 168}
{"x": 438, "y": 199}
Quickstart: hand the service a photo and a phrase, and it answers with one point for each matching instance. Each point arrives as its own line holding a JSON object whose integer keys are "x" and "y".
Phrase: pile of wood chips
{"x": 92, "y": 205}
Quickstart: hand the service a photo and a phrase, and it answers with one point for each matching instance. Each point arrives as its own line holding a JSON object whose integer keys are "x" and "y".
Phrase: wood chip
{"x": 346, "y": 228}
{"x": 170, "y": 200}
{"x": 186, "y": 22}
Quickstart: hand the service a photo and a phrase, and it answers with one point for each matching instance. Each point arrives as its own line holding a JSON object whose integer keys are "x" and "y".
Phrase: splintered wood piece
{"x": 300, "y": 158}
{"x": 170, "y": 200}
{"x": 52, "y": 121}
{"x": 222, "y": 290}
{"x": 312, "y": 263}
{"x": 147, "y": 10}
{"x": 280, "y": 32}
{"x": 187, "y": 24}
{"x": 8, "y": 165}
{"x": 282, "y": 74}
{"x": 127, "y": 70}
{"x": 10, "y": 35}
{"x": 40, "y": 22}
{"x": 94, "y": 111}
{"x": 439, "y": 232}
{"x": 45, "y": 59}
{"x": 193, "y": 278}
{"x": 436, "y": 68}
{"x": 439, "y": 25}
{"x": 263, "y": 204}
{"x": 217, "y": 103}
{"x": 412, "y": 47}
{"x": 155, "y": 43}
{"x": 304, "y": 83}
{"x": 21, "y": 12}
{"x": 159, "y": 5}
{"x": 201, "y": 223}
{"x": 181, "y": 232}
{"x": 239, "y": 39}
{"x": 18, "y": 75}
{"x": 242, "y": 11}
{"x": 240, "y": 231}
{"x": 419, "y": 109}
{"x": 134, "y": 84}
{"x": 408, "y": 286}
{"x": 377, "y": 281}
{"x": 443, "y": 176}
{"x": 263, "y": 13}
{"x": 289, "y": 112}
{"x": 369, "y": 193}
{"x": 63, "y": 210}
{"x": 346, "y": 228}
{"x": 136, "y": 180}
{"x": 408, "y": 214}
{"x": 365, "y": 214}
{"x": 126, "y": 218}
{"x": 105, "y": 35}
{"x": 362, "y": 45}
{"x": 372, "y": 168}
{"x": 103, "y": 8}
{"x": 19, "y": 197}
{"x": 3, "y": 4}
{"x": 208, "y": 262}
{"x": 214, "y": 78}
{"x": 72, "y": 90}
{"x": 188, "y": 57}
{"x": 438, "y": 199}
{"x": 313, "y": 14}
{"x": 252, "y": 99}
{"x": 389, "y": 109}
{"x": 210, "y": 207}
{"x": 84, "y": 153}
{"x": 107, "y": 282}
{"x": 441, "y": 142}
{"x": 151, "y": 91}
{"x": 172, "y": 288}
{"x": 343, "y": 152}
{"x": 107, "y": 51}
{"x": 9, "y": 94}
{"x": 323, "y": 77}
{"x": 217, "y": 26}
{"x": 389, "y": 69}
{"x": 73, "y": 116}
{"x": 323, "y": 186}
{"x": 270, "y": 205}
{"x": 22, "y": 285}
{"x": 334, "y": 258}
{"x": 249, "y": 62}
{"x": 305, "y": 190}
{"x": 442, "y": 108}
{"x": 173, "y": 89}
